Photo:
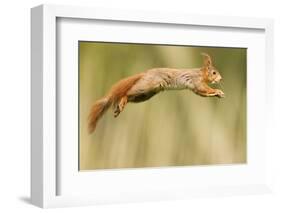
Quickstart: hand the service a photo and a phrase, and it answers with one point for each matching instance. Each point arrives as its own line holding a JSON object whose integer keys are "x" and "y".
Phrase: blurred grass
{"x": 174, "y": 128}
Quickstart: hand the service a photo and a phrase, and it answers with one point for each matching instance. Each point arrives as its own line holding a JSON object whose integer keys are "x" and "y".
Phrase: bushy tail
{"x": 97, "y": 111}
{"x": 117, "y": 91}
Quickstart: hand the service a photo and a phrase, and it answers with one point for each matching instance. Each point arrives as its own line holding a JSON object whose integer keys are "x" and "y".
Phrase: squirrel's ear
{"x": 207, "y": 59}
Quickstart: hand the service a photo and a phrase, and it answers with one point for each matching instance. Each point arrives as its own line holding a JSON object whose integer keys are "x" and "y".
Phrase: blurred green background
{"x": 174, "y": 128}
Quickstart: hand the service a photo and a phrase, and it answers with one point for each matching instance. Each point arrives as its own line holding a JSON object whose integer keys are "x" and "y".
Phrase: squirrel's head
{"x": 210, "y": 72}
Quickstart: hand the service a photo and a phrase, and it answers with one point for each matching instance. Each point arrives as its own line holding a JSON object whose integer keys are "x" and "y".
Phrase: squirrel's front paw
{"x": 220, "y": 93}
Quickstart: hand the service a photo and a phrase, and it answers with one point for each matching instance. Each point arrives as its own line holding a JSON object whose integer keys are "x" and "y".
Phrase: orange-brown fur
{"x": 143, "y": 86}
{"x": 116, "y": 93}
{"x": 120, "y": 89}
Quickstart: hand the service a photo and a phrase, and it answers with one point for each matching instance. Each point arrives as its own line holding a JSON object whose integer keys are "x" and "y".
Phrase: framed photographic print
{"x": 130, "y": 106}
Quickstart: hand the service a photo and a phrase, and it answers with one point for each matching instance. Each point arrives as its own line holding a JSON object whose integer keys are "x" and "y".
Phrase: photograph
{"x": 137, "y": 105}
{"x": 160, "y": 105}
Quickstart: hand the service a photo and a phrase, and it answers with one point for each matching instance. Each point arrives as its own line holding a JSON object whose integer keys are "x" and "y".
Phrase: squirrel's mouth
{"x": 217, "y": 80}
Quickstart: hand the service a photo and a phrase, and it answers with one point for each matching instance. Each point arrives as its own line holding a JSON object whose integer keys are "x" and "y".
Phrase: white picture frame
{"x": 44, "y": 149}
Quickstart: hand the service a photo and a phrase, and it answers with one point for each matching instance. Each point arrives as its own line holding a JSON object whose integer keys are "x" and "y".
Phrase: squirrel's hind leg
{"x": 120, "y": 106}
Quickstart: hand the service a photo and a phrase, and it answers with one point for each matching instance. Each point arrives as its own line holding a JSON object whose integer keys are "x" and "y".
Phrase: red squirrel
{"x": 142, "y": 86}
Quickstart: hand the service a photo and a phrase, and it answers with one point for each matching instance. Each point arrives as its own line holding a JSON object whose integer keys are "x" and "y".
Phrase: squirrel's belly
{"x": 190, "y": 84}
{"x": 140, "y": 97}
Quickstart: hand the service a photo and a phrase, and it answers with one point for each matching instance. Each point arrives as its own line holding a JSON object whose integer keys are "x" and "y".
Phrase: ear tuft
{"x": 207, "y": 59}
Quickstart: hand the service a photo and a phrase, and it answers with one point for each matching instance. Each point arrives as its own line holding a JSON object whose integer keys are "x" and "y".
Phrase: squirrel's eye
{"x": 214, "y": 73}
